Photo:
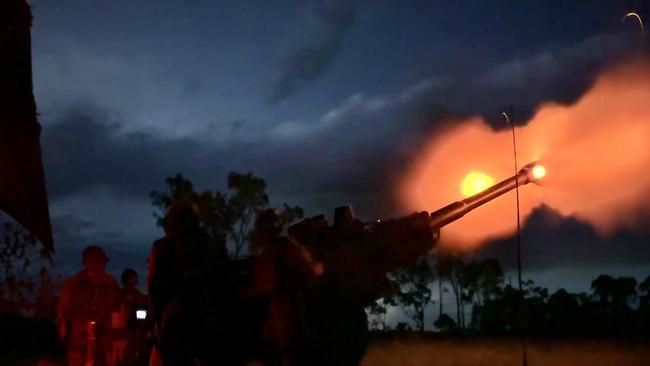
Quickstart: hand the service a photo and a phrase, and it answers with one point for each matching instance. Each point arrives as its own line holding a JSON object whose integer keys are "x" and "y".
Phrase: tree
{"x": 227, "y": 218}
{"x": 490, "y": 278}
{"x": 250, "y": 197}
{"x": 448, "y": 267}
{"x": 614, "y": 296}
{"x": 377, "y": 315}
{"x": 453, "y": 269}
{"x": 624, "y": 292}
{"x": 644, "y": 292}
{"x": 495, "y": 315}
{"x": 479, "y": 281}
{"x": 603, "y": 287}
{"x": 532, "y": 308}
{"x": 445, "y": 323}
{"x": 469, "y": 280}
{"x": 563, "y": 312}
{"x": 402, "y": 327}
{"x": 213, "y": 207}
{"x": 19, "y": 254}
{"x": 45, "y": 303}
{"x": 443, "y": 271}
{"x": 644, "y": 306}
{"x": 412, "y": 290}
{"x": 623, "y": 295}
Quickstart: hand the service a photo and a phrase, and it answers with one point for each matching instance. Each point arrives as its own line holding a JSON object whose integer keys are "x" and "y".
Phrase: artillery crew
{"x": 298, "y": 300}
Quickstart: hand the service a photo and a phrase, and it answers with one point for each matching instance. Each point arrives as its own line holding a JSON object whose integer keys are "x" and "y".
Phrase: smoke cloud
{"x": 596, "y": 152}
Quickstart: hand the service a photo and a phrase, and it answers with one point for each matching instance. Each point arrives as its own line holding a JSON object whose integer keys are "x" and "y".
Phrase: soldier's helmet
{"x": 180, "y": 215}
{"x": 267, "y": 227}
{"x": 93, "y": 253}
{"x": 127, "y": 275}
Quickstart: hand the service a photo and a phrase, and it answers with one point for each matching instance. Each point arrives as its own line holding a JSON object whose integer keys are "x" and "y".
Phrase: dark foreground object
{"x": 24, "y": 341}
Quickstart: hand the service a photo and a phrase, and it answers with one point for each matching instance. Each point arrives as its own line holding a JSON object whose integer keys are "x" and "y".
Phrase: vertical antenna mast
{"x": 510, "y": 120}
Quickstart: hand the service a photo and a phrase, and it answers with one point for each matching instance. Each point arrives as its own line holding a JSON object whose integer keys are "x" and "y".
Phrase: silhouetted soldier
{"x": 181, "y": 280}
{"x": 131, "y": 347}
{"x": 334, "y": 322}
{"x": 131, "y": 296}
{"x": 281, "y": 271}
{"x": 84, "y": 311}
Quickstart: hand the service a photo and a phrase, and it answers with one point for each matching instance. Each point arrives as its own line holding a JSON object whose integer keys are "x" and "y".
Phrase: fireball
{"x": 475, "y": 182}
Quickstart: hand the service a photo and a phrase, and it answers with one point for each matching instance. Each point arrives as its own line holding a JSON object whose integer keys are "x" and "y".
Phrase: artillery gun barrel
{"x": 531, "y": 172}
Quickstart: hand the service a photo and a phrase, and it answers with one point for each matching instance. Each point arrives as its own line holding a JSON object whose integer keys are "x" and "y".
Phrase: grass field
{"x": 415, "y": 351}
{"x": 427, "y": 351}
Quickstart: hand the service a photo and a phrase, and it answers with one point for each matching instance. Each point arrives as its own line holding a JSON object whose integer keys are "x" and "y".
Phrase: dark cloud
{"x": 123, "y": 226}
{"x": 559, "y": 75}
{"x": 85, "y": 148}
{"x": 361, "y": 147}
{"x": 309, "y": 61}
{"x": 551, "y": 240}
{"x": 352, "y": 154}
{"x": 72, "y": 233}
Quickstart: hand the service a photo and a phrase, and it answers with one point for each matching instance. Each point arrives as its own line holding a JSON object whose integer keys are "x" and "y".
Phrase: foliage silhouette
{"x": 412, "y": 292}
{"x": 226, "y": 217}
{"x": 611, "y": 309}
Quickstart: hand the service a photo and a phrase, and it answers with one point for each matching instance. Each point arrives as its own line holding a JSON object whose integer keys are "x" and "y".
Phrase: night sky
{"x": 328, "y": 101}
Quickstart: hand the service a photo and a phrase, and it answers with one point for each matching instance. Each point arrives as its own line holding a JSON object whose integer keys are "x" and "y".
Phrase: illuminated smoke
{"x": 596, "y": 152}
{"x": 475, "y": 182}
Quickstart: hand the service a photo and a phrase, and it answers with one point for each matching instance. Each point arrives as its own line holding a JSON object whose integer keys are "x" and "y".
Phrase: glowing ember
{"x": 475, "y": 182}
{"x": 597, "y": 151}
{"x": 539, "y": 171}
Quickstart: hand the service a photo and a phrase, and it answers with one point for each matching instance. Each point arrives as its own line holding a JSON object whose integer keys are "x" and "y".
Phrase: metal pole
{"x": 518, "y": 238}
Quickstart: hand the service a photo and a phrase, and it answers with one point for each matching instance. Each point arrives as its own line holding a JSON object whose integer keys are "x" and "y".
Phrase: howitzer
{"x": 303, "y": 296}
{"x": 532, "y": 172}
{"x": 356, "y": 258}
{"x": 360, "y": 254}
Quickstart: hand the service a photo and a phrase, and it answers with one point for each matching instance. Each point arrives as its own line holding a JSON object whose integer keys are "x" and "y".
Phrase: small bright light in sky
{"x": 475, "y": 182}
